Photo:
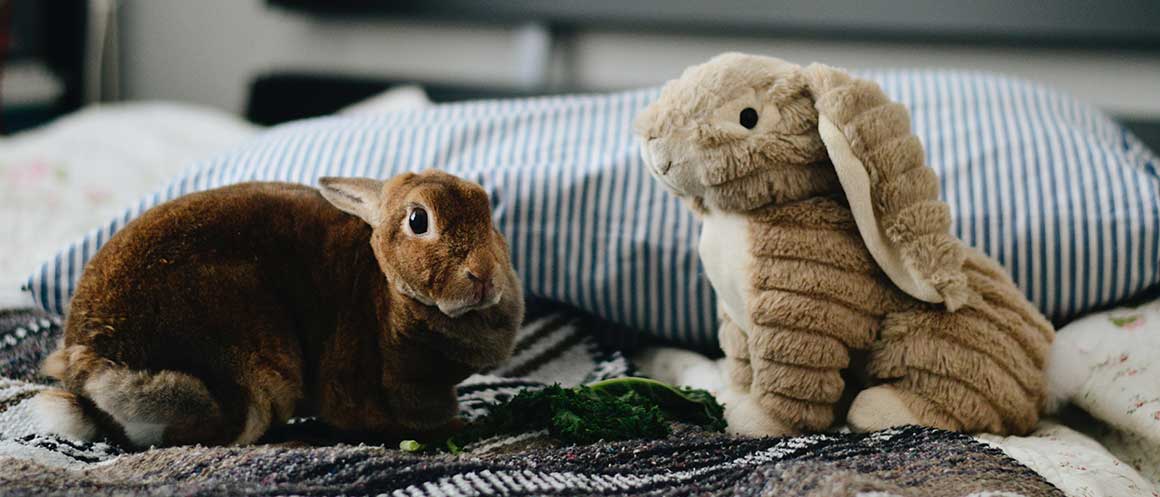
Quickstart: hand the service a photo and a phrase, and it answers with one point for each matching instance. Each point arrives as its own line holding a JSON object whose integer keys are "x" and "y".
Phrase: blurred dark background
{"x": 276, "y": 60}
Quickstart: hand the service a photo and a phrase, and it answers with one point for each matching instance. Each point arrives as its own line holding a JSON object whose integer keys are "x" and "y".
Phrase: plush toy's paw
{"x": 878, "y": 408}
{"x": 681, "y": 367}
{"x": 746, "y": 417}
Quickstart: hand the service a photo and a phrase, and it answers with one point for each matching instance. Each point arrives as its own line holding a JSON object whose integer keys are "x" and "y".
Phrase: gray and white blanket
{"x": 556, "y": 345}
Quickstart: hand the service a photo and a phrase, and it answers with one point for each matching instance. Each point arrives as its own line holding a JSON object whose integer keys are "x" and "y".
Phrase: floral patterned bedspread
{"x": 1108, "y": 365}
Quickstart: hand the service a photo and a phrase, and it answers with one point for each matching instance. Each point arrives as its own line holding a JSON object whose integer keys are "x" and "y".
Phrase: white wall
{"x": 207, "y": 51}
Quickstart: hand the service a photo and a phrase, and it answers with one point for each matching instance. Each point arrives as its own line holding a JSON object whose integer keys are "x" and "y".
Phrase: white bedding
{"x": 59, "y": 181}
{"x": 1075, "y": 463}
{"x": 1108, "y": 364}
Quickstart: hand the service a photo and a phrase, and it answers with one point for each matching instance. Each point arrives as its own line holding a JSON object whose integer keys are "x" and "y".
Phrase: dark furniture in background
{"x": 1119, "y": 23}
{"x": 45, "y": 39}
{"x": 279, "y": 97}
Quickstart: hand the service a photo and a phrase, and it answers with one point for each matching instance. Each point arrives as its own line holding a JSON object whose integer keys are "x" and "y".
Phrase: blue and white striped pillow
{"x": 1063, "y": 196}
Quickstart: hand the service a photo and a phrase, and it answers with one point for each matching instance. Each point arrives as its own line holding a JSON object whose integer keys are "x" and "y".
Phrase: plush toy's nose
{"x": 655, "y": 157}
{"x": 673, "y": 164}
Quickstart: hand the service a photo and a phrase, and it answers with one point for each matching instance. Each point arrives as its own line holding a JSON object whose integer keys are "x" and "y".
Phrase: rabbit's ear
{"x": 891, "y": 192}
{"x": 357, "y": 196}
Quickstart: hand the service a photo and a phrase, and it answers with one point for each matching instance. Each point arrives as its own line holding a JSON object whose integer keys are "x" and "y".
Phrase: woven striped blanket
{"x": 555, "y": 346}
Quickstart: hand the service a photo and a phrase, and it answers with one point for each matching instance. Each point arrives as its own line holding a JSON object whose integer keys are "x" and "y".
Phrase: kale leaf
{"x": 617, "y": 409}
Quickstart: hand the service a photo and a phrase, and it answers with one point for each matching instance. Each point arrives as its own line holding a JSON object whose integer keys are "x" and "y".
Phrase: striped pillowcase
{"x": 1065, "y": 198}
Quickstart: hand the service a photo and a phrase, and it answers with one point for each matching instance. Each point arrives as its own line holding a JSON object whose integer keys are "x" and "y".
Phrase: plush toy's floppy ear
{"x": 891, "y": 192}
{"x": 358, "y": 196}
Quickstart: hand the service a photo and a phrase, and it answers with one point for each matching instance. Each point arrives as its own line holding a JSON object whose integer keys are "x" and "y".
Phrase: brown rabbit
{"x": 217, "y": 315}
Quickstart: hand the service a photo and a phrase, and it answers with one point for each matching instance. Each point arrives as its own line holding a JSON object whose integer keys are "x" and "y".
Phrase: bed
{"x": 1113, "y": 451}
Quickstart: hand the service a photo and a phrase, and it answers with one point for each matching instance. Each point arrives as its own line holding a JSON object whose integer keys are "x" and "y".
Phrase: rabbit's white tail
{"x": 65, "y": 413}
{"x": 104, "y": 400}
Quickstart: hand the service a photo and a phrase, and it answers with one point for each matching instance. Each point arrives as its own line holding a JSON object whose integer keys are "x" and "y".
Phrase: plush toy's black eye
{"x": 418, "y": 221}
{"x": 749, "y": 117}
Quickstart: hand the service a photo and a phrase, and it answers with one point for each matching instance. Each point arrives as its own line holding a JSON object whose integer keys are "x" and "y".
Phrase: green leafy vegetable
{"x": 410, "y": 446}
{"x": 689, "y": 405}
{"x": 617, "y": 409}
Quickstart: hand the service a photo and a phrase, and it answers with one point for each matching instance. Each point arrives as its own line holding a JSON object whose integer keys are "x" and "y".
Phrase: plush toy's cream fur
{"x": 829, "y": 250}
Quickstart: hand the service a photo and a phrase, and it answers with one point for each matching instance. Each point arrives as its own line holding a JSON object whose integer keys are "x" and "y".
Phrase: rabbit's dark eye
{"x": 417, "y": 221}
{"x": 749, "y": 117}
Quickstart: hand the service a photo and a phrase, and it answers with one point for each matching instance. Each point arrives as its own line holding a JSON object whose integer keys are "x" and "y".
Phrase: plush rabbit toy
{"x": 825, "y": 241}
{"x": 221, "y": 314}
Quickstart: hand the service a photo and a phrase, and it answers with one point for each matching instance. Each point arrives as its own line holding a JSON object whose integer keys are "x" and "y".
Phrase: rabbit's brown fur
{"x": 214, "y": 316}
{"x": 950, "y": 341}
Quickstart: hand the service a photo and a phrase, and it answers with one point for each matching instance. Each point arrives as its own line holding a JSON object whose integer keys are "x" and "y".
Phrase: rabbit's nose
{"x": 478, "y": 276}
{"x": 484, "y": 285}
